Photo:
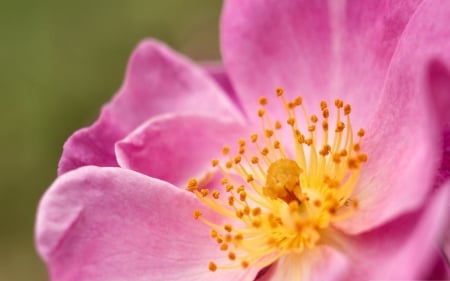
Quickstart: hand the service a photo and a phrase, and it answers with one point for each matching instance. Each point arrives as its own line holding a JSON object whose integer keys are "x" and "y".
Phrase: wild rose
{"x": 335, "y": 185}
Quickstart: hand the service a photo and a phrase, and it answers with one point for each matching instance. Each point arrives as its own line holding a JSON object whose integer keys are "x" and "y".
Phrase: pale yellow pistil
{"x": 277, "y": 203}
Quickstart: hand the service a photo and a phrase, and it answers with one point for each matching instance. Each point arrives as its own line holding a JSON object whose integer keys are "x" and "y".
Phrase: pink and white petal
{"x": 98, "y": 224}
{"x": 320, "y": 264}
{"x": 158, "y": 81}
{"x": 403, "y": 249}
{"x": 177, "y": 147}
{"x": 318, "y": 49}
{"x": 404, "y": 139}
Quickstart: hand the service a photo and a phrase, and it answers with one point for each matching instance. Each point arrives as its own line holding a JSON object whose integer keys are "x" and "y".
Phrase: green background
{"x": 60, "y": 61}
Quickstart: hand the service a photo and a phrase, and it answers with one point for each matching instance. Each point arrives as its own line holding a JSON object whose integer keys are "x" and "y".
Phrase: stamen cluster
{"x": 278, "y": 198}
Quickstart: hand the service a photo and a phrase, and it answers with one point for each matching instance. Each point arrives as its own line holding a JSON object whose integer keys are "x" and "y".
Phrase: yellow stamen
{"x": 277, "y": 202}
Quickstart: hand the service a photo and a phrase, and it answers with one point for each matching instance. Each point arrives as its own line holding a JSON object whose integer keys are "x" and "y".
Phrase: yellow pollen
{"x": 263, "y": 101}
{"x": 279, "y": 91}
{"x": 281, "y": 194}
{"x": 232, "y": 256}
{"x": 282, "y": 180}
{"x": 197, "y": 214}
{"x": 212, "y": 266}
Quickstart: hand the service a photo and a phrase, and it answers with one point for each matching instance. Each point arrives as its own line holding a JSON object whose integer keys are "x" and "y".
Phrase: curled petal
{"x": 177, "y": 147}
{"x": 98, "y": 223}
{"x": 158, "y": 81}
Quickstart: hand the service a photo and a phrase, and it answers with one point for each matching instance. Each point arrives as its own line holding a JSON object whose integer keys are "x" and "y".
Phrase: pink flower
{"x": 119, "y": 209}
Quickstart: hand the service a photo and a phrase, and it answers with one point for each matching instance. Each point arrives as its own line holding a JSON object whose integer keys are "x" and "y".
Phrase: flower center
{"x": 279, "y": 198}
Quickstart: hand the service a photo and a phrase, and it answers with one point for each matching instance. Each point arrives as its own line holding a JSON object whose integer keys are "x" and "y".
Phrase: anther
{"x": 238, "y": 237}
{"x": 212, "y": 266}
{"x": 192, "y": 185}
{"x": 280, "y": 91}
{"x": 228, "y": 227}
{"x": 263, "y": 101}
{"x": 276, "y": 144}
{"x": 278, "y": 125}
{"x": 362, "y": 157}
{"x": 256, "y": 211}
{"x": 298, "y": 101}
{"x": 347, "y": 109}
{"x": 340, "y": 127}
{"x": 269, "y": 133}
{"x": 231, "y": 201}
{"x": 256, "y": 223}
{"x": 224, "y": 247}
{"x": 361, "y": 133}
{"x": 261, "y": 112}
{"x": 352, "y": 163}
{"x": 225, "y": 150}
{"x": 197, "y": 214}
{"x": 242, "y": 196}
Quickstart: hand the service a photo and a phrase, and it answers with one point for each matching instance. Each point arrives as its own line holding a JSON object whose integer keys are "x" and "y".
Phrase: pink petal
{"x": 321, "y": 264}
{"x": 440, "y": 269}
{"x": 439, "y": 85}
{"x": 403, "y": 140}
{"x": 99, "y": 223}
{"x": 446, "y": 243}
{"x": 405, "y": 248}
{"x": 158, "y": 81}
{"x": 444, "y": 170}
{"x": 175, "y": 148}
{"x": 218, "y": 73}
{"x": 318, "y": 49}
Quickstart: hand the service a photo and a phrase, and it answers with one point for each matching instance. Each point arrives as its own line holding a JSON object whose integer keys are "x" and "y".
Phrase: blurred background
{"x": 60, "y": 61}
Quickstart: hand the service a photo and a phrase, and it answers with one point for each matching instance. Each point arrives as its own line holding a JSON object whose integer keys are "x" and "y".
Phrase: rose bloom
{"x": 314, "y": 153}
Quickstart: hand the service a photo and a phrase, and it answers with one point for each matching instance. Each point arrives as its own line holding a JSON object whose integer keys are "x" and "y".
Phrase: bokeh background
{"x": 59, "y": 62}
